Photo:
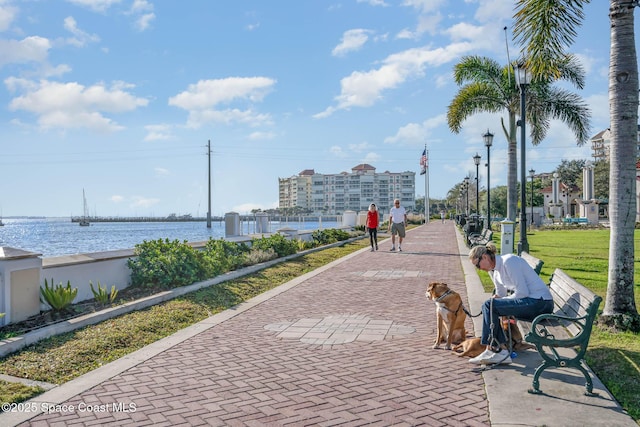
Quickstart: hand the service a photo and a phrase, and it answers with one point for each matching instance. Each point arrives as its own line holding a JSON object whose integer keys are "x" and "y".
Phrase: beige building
{"x": 333, "y": 194}
{"x": 601, "y": 143}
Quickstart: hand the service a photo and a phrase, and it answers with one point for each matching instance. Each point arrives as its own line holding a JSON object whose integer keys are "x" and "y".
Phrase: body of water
{"x": 59, "y": 236}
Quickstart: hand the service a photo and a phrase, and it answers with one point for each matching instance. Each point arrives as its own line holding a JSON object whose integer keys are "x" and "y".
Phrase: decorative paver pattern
{"x": 340, "y": 329}
{"x": 238, "y": 373}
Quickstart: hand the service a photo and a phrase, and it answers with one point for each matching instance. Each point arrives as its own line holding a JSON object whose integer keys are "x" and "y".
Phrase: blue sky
{"x": 119, "y": 98}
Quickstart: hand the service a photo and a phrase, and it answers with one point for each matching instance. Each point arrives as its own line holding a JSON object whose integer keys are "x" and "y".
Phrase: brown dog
{"x": 471, "y": 347}
{"x": 450, "y": 316}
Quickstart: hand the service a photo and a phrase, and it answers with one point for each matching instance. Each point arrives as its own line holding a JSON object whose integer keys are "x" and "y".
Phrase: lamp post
{"x": 466, "y": 187}
{"x": 476, "y": 160}
{"x": 524, "y": 79}
{"x": 488, "y": 140}
{"x": 531, "y": 174}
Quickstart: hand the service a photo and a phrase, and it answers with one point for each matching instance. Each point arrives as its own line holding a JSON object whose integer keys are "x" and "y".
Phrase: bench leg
{"x": 536, "y": 378}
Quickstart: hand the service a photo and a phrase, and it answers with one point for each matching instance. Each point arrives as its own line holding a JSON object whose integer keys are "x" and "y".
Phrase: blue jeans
{"x": 523, "y": 308}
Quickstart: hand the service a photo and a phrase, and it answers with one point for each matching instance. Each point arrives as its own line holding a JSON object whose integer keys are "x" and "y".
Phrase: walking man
{"x": 397, "y": 224}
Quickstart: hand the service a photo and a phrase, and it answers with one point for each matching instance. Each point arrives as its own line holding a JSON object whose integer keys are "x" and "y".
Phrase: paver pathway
{"x": 349, "y": 346}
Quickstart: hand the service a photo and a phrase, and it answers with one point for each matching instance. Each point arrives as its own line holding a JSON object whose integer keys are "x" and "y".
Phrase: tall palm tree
{"x": 545, "y": 29}
{"x": 488, "y": 87}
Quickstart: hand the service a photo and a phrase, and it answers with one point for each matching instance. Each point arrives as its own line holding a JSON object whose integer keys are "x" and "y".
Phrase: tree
{"x": 601, "y": 179}
{"x": 546, "y": 29}
{"x": 570, "y": 171}
{"x": 488, "y": 87}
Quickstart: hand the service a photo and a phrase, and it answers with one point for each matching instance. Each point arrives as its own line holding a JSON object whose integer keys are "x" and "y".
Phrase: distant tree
{"x": 570, "y": 171}
{"x": 601, "y": 179}
{"x": 499, "y": 201}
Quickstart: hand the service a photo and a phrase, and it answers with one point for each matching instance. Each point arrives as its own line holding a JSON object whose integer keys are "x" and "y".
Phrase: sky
{"x": 120, "y": 99}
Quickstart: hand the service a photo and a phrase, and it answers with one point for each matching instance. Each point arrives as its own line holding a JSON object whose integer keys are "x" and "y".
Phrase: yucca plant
{"x": 58, "y": 297}
{"x": 101, "y": 295}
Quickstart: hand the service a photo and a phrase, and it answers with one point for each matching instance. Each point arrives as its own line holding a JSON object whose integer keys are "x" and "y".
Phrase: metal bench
{"x": 477, "y": 239}
{"x": 569, "y": 327}
{"x": 575, "y": 221}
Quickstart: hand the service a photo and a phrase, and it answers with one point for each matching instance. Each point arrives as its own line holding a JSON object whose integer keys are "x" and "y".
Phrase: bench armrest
{"x": 540, "y": 334}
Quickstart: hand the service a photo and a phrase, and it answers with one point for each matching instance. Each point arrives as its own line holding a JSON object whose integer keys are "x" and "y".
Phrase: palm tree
{"x": 546, "y": 29}
{"x": 489, "y": 87}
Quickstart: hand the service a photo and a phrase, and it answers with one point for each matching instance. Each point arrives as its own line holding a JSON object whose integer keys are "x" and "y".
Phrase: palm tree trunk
{"x": 623, "y": 102}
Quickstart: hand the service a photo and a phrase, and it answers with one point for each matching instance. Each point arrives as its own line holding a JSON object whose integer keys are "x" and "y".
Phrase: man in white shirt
{"x": 397, "y": 223}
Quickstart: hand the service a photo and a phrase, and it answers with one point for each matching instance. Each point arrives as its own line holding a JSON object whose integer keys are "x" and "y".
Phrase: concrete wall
{"x": 20, "y": 299}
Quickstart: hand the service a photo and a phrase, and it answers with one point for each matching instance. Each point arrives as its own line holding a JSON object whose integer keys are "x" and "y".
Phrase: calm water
{"x": 59, "y": 236}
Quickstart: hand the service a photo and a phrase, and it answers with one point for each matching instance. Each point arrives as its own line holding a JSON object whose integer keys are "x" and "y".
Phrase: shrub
{"x": 222, "y": 256}
{"x": 256, "y": 256}
{"x": 166, "y": 263}
{"x": 279, "y": 243}
{"x": 58, "y": 297}
{"x": 332, "y": 235}
{"x": 102, "y": 296}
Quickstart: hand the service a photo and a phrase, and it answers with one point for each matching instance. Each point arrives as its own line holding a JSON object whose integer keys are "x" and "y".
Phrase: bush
{"x": 166, "y": 263}
{"x": 279, "y": 243}
{"x": 326, "y": 237}
{"x": 58, "y": 297}
{"x": 222, "y": 256}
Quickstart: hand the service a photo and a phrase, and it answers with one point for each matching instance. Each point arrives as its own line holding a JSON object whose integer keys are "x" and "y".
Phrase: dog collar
{"x": 443, "y": 296}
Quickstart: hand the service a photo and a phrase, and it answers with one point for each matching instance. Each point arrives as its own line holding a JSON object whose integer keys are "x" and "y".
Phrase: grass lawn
{"x": 584, "y": 255}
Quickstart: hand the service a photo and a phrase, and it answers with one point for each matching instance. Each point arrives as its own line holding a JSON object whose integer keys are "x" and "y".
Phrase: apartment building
{"x": 333, "y": 194}
{"x": 601, "y": 142}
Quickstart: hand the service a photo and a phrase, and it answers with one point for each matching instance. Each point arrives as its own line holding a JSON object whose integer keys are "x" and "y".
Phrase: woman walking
{"x": 373, "y": 220}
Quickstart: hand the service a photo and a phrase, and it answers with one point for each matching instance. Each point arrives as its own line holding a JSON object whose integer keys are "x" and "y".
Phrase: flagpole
{"x": 427, "y": 208}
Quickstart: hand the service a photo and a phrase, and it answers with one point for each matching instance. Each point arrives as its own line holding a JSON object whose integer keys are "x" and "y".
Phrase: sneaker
{"x": 399, "y": 249}
{"x": 372, "y": 249}
{"x": 376, "y": 247}
{"x": 489, "y": 357}
{"x": 393, "y": 248}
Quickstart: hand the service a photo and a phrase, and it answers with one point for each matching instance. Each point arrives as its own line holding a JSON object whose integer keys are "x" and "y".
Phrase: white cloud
{"x": 416, "y": 133}
{"x": 29, "y": 49}
{"x": 337, "y": 151}
{"x": 117, "y": 198}
{"x": 95, "y": 5}
{"x": 158, "y": 132}
{"x": 374, "y": 2}
{"x": 161, "y": 171}
{"x": 7, "y": 15}
{"x": 256, "y": 136}
{"x": 352, "y": 40}
{"x": 144, "y": 22}
{"x": 200, "y": 100}
{"x": 80, "y": 38}
{"x": 363, "y": 89}
{"x": 72, "y": 105}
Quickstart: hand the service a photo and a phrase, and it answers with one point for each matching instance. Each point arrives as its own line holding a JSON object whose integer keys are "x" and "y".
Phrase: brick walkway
{"x": 349, "y": 346}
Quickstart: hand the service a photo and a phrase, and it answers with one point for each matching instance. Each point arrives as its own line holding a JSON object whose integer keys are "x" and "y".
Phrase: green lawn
{"x": 584, "y": 255}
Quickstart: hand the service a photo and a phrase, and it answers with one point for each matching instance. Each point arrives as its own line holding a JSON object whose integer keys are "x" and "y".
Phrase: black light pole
{"x": 476, "y": 160}
{"x": 531, "y": 173}
{"x": 466, "y": 186}
{"x": 488, "y": 140}
{"x": 524, "y": 79}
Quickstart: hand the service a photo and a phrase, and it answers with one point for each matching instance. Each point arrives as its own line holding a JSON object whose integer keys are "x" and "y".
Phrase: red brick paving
{"x": 240, "y": 374}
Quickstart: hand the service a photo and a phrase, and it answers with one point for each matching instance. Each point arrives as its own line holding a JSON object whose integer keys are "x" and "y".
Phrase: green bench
{"x": 569, "y": 327}
{"x": 533, "y": 262}
{"x": 477, "y": 239}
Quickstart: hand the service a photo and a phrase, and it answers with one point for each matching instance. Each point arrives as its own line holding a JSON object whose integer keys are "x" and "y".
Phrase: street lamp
{"x": 476, "y": 160}
{"x": 466, "y": 186}
{"x": 531, "y": 173}
{"x": 524, "y": 79}
{"x": 488, "y": 140}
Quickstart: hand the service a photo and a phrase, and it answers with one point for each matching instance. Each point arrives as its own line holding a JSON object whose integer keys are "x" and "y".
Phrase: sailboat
{"x": 85, "y": 215}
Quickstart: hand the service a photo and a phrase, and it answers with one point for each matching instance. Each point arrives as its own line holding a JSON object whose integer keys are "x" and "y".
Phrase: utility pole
{"x": 209, "y": 181}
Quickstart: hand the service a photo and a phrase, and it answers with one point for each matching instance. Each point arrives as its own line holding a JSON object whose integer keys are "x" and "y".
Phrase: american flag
{"x": 423, "y": 162}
